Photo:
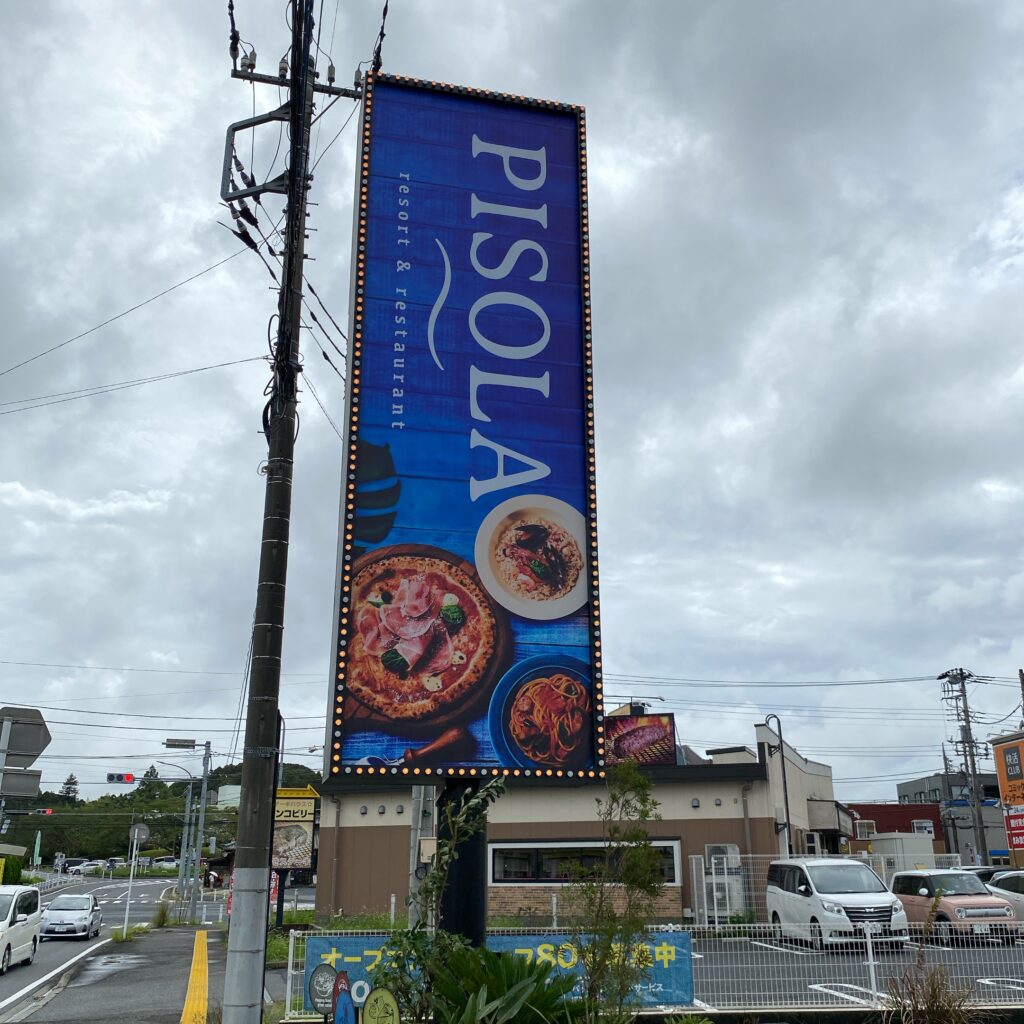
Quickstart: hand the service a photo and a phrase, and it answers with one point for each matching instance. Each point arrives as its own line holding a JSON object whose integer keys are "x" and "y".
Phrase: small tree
{"x": 69, "y": 791}
{"x": 613, "y": 899}
{"x": 151, "y": 787}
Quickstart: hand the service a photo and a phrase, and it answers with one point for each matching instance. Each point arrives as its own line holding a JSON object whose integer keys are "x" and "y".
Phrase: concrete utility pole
{"x": 247, "y": 936}
{"x": 956, "y": 692}
{"x": 1020, "y": 676}
{"x": 197, "y": 870}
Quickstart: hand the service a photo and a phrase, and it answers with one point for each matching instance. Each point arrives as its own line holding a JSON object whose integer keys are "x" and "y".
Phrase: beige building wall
{"x": 364, "y": 857}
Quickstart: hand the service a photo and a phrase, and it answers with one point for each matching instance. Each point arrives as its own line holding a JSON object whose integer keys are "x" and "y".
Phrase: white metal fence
{"x": 731, "y": 889}
{"x": 749, "y": 967}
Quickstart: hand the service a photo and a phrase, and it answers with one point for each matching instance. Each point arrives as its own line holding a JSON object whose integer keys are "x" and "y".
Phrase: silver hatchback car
{"x": 71, "y": 916}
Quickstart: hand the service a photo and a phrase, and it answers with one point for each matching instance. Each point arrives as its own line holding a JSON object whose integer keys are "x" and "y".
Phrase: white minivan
{"x": 831, "y": 901}
{"x": 20, "y": 919}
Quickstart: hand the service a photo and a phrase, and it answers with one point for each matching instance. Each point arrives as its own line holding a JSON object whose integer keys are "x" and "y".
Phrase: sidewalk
{"x": 163, "y": 977}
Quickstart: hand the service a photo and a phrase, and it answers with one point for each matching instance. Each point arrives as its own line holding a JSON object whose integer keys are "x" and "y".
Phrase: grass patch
{"x": 277, "y": 947}
{"x": 161, "y": 916}
{"x": 120, "y": 935}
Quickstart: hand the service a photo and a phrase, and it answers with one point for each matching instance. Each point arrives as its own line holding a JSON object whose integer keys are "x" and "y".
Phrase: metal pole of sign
{"x": 183, "y": 858}
{"x": 198, "y": 876}
{"x": 131, "y": 876}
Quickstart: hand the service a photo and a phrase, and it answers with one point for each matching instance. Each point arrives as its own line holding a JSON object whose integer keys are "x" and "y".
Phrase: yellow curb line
{"x": 194, "y": 1011}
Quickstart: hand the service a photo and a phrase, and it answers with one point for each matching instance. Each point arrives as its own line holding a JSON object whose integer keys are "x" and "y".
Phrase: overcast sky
{"x": 808, "y": 243}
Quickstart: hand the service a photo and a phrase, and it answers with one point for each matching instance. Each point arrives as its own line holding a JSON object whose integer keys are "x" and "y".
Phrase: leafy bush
{"x": 503, "y": 983}
{"x": 12, "y": 870}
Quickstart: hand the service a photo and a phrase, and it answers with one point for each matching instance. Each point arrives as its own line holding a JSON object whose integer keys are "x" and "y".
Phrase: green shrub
{"x": 161, "y": 916}
{"x": 12, "y": 870}
{"x": 506, "y": 984}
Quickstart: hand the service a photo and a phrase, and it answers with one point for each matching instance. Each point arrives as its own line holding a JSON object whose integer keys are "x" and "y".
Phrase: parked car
{"x": 89, "y": 867}
{"x": 987, "y": 872}
{"x": 1010, "y": 886}
{"x": 69, "y": 864}
{"x": 73, "y": 916}
{"x": 828, "y": 901}
{"x": 20, "y": 920}
{"x": 964, "y": 908}
{"x": 164, "y": 862}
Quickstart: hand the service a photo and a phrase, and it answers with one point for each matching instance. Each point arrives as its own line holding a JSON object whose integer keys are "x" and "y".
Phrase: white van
{"x": 830, "y": 901}
{"x": 20, "y": 920}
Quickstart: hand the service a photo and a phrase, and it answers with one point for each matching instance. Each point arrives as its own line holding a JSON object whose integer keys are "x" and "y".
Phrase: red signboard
{"x": 1015, "y": 827}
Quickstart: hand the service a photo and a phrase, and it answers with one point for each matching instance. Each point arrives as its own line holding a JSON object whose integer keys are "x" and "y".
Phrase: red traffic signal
{"x": 124, "y": 777}
{"x": 43, "y": 810}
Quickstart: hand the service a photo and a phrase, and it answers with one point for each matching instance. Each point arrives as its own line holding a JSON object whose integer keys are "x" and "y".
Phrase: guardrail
{"x": 753, "y": 968}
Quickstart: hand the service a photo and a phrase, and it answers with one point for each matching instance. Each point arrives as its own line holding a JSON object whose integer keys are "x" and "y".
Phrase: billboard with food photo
{"x": 645, "y": 739}
{"x": 468, "y": 631}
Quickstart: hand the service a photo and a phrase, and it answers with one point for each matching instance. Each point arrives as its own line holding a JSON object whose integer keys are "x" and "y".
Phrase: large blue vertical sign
{"x": 468, "y": 619}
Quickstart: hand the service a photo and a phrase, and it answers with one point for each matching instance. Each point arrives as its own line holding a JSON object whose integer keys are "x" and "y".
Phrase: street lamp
{"x": 176, "y": 743}
{"x": 186, "y": 828}
{"x": 780, "y": 748}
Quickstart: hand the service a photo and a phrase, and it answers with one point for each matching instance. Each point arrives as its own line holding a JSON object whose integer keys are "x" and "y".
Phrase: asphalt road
{"x": 742, "y": 973}
{"x": 54, "y": 955}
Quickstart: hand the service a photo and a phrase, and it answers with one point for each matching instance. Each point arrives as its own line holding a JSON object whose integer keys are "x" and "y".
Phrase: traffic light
{"x": 43, "y": 810}
{"x": 125, "y": 777}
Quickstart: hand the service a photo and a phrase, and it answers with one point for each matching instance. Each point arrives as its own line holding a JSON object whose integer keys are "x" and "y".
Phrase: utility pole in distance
{"x": 247, "y": 935}
{"x": 955, "y": 690}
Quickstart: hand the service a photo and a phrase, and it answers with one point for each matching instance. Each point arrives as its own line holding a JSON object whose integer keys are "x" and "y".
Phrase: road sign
{"x": 23, "y": 737}
{"x": 27, "y": 738}
{"x": 138, "y": 832}
{"x": 19, "y": 782}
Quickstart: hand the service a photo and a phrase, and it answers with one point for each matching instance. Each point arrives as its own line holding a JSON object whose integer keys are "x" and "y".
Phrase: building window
{"x": 923, "y": 827}
{"x": 864, "y": 828}
{"x": 919, "y": 796}
{"x": 934, "y": 795}
{"x": 559, "y": 863}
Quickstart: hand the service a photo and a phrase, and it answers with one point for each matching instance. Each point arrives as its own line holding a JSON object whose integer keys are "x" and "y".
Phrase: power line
{"x": 158, "y": 671}
{"x": 146, "y": 302}
{"x": 105, "y": 389}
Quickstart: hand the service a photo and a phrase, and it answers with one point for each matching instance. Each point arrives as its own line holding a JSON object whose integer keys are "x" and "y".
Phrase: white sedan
{"x": 71, "y": 916}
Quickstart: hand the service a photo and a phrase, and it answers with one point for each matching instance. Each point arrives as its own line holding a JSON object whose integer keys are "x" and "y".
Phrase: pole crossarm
{"x": 328, "y": 90}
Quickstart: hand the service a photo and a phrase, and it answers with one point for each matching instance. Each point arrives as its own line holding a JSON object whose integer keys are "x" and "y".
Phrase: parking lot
{"x": 747, "y": 967}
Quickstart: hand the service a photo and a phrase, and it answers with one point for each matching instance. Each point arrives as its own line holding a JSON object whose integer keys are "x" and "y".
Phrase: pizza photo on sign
{"x": 427, "y": 638}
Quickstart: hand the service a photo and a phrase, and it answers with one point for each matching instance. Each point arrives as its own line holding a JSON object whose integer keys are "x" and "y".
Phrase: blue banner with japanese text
{"x": 468, "y": 630}
{"x": 666, "y": 954}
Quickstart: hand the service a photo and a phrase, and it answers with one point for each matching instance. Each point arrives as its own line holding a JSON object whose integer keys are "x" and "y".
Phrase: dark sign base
{"x": 464, "y": 901}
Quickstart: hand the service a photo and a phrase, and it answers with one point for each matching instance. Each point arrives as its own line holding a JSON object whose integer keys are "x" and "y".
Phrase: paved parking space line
{"x": 1012, "y": 983}
{"x": 21, "y": 993}
{"x": 835, "y": 990}
{"x": 787, "y": 949}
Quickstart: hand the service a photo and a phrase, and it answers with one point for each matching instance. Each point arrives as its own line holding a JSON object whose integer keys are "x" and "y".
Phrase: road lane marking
{"x": 194, "y": 1010}
{"x": 21, "y": 993}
